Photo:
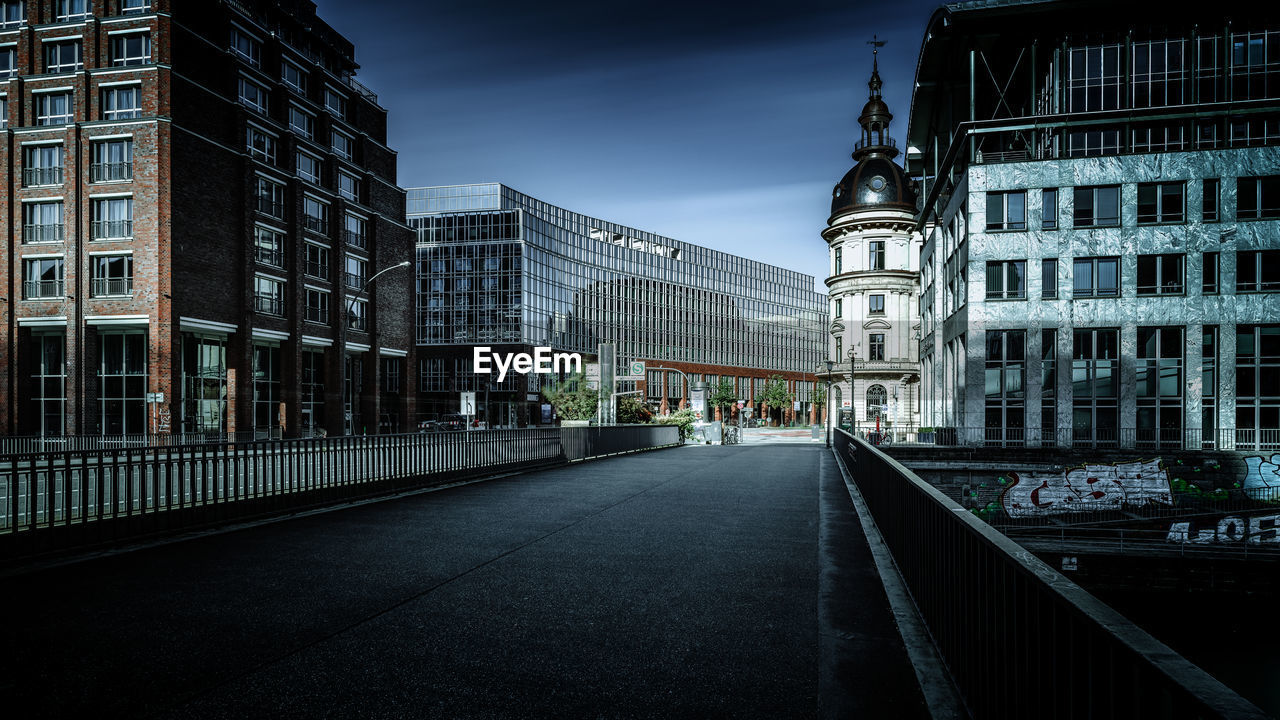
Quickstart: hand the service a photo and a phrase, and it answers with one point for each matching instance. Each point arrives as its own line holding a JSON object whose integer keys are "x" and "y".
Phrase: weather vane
{"x": 876, "y": 43}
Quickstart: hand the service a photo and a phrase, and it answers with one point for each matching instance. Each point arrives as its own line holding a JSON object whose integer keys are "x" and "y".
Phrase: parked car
{"x": 452, "y": 422}
{"x": 427, "y": 426}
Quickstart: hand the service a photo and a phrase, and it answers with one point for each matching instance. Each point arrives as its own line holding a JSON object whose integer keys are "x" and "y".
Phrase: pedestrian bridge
{"x": 694, "y": 581}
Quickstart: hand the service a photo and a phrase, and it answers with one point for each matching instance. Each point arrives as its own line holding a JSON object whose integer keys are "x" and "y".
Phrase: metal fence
{"x": 52, "y": 501}
{"x": 1020, "y": 640}
{"x": 1123, "y": 438}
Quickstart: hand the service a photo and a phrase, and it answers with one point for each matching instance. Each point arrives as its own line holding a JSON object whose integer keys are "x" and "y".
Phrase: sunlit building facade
{"x": 501, "y": 269}
{"x": 1103, "y": 198}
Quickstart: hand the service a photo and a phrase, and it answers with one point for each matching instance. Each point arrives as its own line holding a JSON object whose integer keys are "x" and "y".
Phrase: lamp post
{"x": 342, "y": 345}
{"x": 830, "y": 365}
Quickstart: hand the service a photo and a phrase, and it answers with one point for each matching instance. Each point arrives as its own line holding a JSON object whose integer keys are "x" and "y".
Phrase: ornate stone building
{"x": 873, "y": 280}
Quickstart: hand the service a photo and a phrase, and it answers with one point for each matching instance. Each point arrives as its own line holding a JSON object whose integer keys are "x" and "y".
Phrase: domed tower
{"x": 873, "y": 280}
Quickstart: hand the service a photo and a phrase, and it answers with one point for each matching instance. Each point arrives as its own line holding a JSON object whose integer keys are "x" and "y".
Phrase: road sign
{"x": 467, "y": 404}
{"x": 155, "y": 397}
{"x": 635, "y": 370}
{"x": 741, "y": 403}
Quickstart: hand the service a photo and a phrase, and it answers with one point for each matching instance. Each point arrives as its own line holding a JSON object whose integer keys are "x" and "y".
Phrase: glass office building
{"x": 499, "y": 268}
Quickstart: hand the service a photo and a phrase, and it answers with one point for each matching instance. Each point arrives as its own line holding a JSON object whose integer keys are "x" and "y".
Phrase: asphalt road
{"x": 691, "y": 582}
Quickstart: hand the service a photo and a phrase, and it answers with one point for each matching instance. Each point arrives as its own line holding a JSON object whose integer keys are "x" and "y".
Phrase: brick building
{"x": 196, "y": 193}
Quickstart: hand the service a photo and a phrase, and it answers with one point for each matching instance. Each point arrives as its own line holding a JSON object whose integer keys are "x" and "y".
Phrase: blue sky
{"x": 724, "y": 125}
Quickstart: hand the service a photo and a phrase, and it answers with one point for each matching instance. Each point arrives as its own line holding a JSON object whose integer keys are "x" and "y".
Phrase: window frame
{"x": 1094, "y": 220}
{"x": 1095, "y": 262}
{"x": 1019, "y": 267}
{"x": 1162, "y": 286}
{"x": 1006, "y": 223}
{"x": 1158, "y": 212}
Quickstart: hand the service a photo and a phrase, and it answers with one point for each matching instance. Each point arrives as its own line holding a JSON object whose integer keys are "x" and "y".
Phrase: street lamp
{"x": 830, "y": 365}
{"x": 342, "y": 345}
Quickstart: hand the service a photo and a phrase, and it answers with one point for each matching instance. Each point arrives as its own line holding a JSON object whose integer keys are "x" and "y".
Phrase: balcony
{"x": 43, "y": 289}
{"x": 355, "y": 281}
{"x": 111, "y": 229}
{"x": 270, "y": 207}
{"x": 316, "y": 270}
{"x": 318, "y": 314}
{"x": 48, "y": 233}
{"x": 357, "y": 322}
{"x": 268, "y": 304}
{"x": 37, "y": 176}
{"x": 315, "y": 224}
{"x": 112, "y": 287}
{"x": 111, "y": 171}
{"x": 355, "y": 239}
{"x": 269, "y": 256}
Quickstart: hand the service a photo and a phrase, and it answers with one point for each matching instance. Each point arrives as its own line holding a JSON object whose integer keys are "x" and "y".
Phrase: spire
{"x": 875, "y": 84}
{"x": 875, "y": 117}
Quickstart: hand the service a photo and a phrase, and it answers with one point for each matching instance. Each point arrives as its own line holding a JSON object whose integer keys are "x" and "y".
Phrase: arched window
{"x": 876, "y": 400}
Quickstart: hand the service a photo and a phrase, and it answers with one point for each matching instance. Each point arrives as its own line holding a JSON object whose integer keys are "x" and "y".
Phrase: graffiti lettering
{"x": 1256, "y": 529}
{"x": 1088, "y": 488}
{"x": 1262, "y": 481}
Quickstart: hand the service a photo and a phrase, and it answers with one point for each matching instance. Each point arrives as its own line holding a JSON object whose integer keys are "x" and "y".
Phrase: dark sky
{"x": 724, "y": 125}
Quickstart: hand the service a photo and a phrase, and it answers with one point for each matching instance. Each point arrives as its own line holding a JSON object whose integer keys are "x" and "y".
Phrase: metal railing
{"x": 268, "y": 304}
{"x": 269, "y": 256}
{"x": 108, "y": 172}
{"x": 315, "y": 224}
{"x": 34, "y": 176}
{"x": 43, "y": 289}
{"x": 355, "y": 281}
{"x": 317, "y": 314}
{"x": 1021, "y": 640}
{"x": 315, "y": 269}
{"x": 112, "y": 287}
{"x": 355, "y": 239}
{"x": 1121, "y": 438}
{"x": 44, "y": 233}
{"x": 357, "y": 322}
{"x": 56, "y": 500}
{"x": 270, "y": 207}
{"x": 111, "y": 229}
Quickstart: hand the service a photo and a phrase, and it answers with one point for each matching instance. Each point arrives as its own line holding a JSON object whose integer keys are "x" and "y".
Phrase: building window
{"x": 42, "y": 165}
{"x": 1160, "y": 137}
{"x": 131, "y": 49}
{"x": 1159, "y": 387}
{"x": 270, "y": 196}
{"x": 43, "y": 279}
{"x": 1095, "y": 380}
{"x": 293, "y": 76}
{"x": 1158, "y": 73}
{"x": 877, "y": 403}
{"x": 122, "y": 102}
{"x": 1258, "y": 198}
{"x": 334, "y": 102}
{"x": 1007, "y": 210}
{"x": 1005, "y": 385}
{"x": 1161, "y": 274}
{"x": 308, "y": 167}
{"x": 315, "y": 215}
{"x": 1094, "y": 142}
{"x": 42, "y": 222}
{"x": 1209, "y": 387}
{"x": 112, "y": 275}
{"x": 1209, "y": 277}
{"x": 1257, "y": 387}
{"x": 253, "y": 96}
{"x": 1209, "y": 207}
{"x": 69, "y": 10}
{"x": 268, "y": 246}
{"x": 9, "y": 61}
{"x": 354, "y": 231}
{"x": 134, "y": 6}
{"x": 348, "y": 186}
{"x": 204, "y": 383}
{"x": 875, "y": 304}
{"x": 1257, "y": 271}
{"x": 246, "y": 46}
{"x": 1254, "y": 131}
{"x": 1208, "y": 78}
{"x": 317, "y": 305}
{"x": 1096, "y": 277}
{"x": 49, "y": 382}
{"x": 317, "y": 261}
{"x": 302, "y": 122}
{"x": 342, "y": 145}
{"x": 875, "y": 348}
{"x": 261, "y": 145}
{"x": 55, "y": 108}
{"x": 1160, "y": 202}
{"x": 112, "y": 160}
{"x": 268, "y": 295}
{"x": 875, "y": 255}
{"x": 1049, "y": 209}
{"x": 1255, "y": 65}
{"x": 313, "y": 387}
{"x": 266, "y": 389}
{"x": 1094, "y": 78}
{"x": 63, "y": 57}
{"x": 838, "y": 262}
{"x": 358, "y": 314}
{"x": 357, "y": 272}
{"x": 1049, "y": 385}
{"x": 838, "y": 308}
{"x": 839, "y": 349}
{"x": 1097, "y": 207}
{"x": 1007, "y": 280}
{"x": 1049, "y": 278}
{"x": 113, "y": 219}
{"x": 13, "y": 14}
{"x": 122, "y": 377}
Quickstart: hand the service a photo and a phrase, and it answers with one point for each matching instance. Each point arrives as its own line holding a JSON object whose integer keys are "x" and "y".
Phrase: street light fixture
{"x": 830, "y": 364}
{"x": 342, "y": 345}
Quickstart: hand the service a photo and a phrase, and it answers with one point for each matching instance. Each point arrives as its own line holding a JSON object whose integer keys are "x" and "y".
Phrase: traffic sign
{"x": 636, "y": 369}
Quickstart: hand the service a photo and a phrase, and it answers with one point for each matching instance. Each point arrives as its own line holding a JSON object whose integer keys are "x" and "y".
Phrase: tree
{"x": 820, "y": 399}
{"x": 572, "y": 399}
{"x": 631, "y": 410}
{"x": 723, "y": 395}
{"x": 775, "y": 395}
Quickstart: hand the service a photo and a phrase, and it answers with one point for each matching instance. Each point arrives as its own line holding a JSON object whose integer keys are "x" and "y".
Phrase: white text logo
{"x": 542, "y": 362}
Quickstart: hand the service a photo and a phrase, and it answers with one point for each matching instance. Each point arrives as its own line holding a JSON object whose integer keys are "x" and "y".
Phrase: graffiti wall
{"x": 1262, "y": 477}
{"x": 1087, "y": 488}
{"x": 1230, "y": 529}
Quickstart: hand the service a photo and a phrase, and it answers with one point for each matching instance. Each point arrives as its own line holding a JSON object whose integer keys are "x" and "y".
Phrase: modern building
{"x": 874, "y": 279}
{"x": 197, "y": 191}
{"x": 1102, "y": 194}
{"x": 501, "y": 269}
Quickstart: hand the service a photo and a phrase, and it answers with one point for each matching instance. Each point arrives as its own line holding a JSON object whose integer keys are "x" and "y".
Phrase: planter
{"x": 575, "y": 423}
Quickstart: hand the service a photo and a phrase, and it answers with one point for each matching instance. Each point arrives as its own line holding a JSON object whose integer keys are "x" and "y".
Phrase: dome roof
{"x": 875, "y": 182}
